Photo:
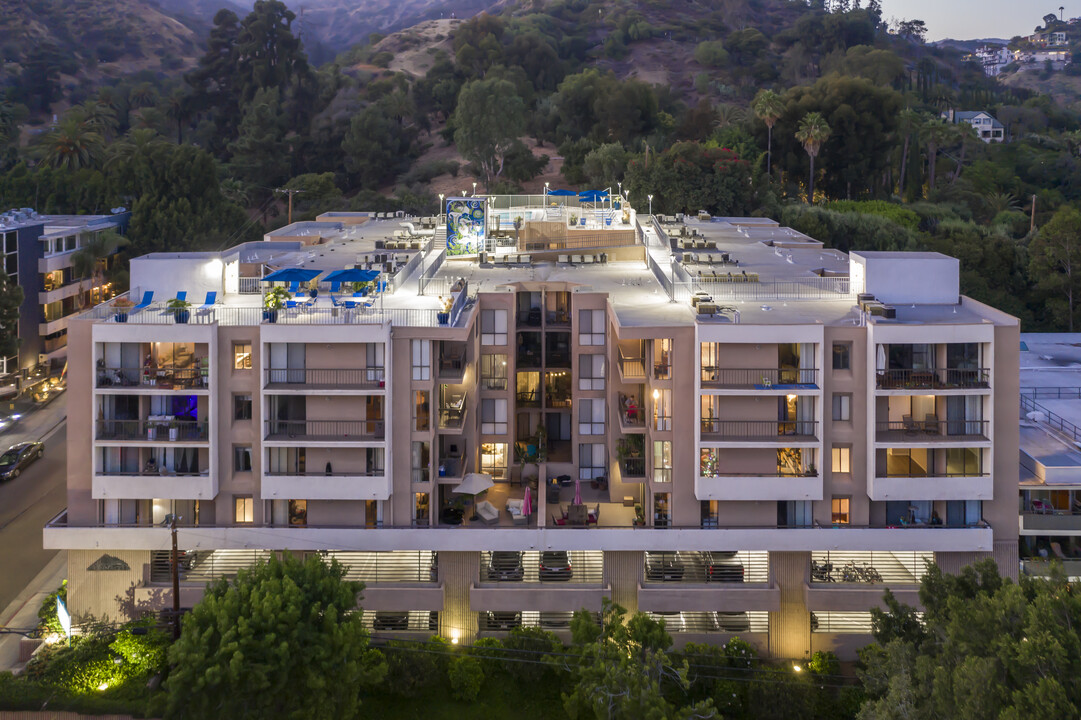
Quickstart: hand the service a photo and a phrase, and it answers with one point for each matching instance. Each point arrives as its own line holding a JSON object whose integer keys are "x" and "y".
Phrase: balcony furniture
{"x": 514, "y": 509}
{"x": 552, "y": 491}
{"x": 593, "y": 516}
{"x": 148, "y": 297}
{"x": 1057, "y": 549}
{"x": 451, "y": 516}
{"x": 559, "y": 520}
{"x": 1042, "y": 508}
{"x": 487, "y": 513}
{"x": 930, "y": 424}
{"x": 628, "y": 501}
{"x": 578, "y": 515}
{"x": 910, "y": 427}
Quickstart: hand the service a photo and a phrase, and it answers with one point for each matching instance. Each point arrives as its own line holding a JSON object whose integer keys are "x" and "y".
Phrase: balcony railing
{"x": 758, "y": 429}
{"x": 326, "y": 378}
{"x": 759, "y": 378}
{"x": 662, "y": 370}
{"x": 325, "y": 429}
{"x": 558, "y": 399}
{"x": 452, "y": 416}
{"x": 527, "y": 398}
{"x": 160, "y": 377}
{"x": 451, "y": 366}
{"x": 529, "y": 318}
{"x": 931, "y": 474}
{"x": 557, "y": 358}
{"x": 370, "y": 472}
{"x": 529, "y": 356}
{"x": 492, "y": 382}
{"x": 152, "y": 430}
{"x": 933, "y": 429}
{"x": 633, "y": 418}
{"x": 151, "y": 473}
{"x": 935, "y": 379}
{"x": 778, "y": 474}
{"x": 633, "y": 467}
{"x": 633, "y": 368}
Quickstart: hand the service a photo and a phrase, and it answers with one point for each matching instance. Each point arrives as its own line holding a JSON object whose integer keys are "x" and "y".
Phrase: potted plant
{"x": 639, "y": 515}
{"x": 574, "y": 219}
{"x": 122, "y": 305}
{"x": 313, "y": 289}
{"x": 174, "y": 431}
{"x": 444, "y": 317}
{"x": 273, "y": 301}
{"x": 181, "y": 311}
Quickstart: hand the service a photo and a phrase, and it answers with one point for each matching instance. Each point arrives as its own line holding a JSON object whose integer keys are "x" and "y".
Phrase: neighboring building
{"x": 1049, "y": 39}
{"x": 1050, "y": 479}
{"x": 992, "y": 58}
{"x": 1038, "y": 59}
{"x": 987, "y": 127}
{"x": 37, "y": 255}
{"x": 766, "y": 433}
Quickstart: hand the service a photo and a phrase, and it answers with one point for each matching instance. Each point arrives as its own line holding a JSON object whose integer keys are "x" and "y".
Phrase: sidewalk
{"x": 22, "y": 613}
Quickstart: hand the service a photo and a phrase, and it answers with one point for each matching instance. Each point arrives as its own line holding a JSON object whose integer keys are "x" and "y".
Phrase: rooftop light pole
{"x": 650, "y": 205}
{"x": 474, "y": 189}
{"x": 546, "y": 193}
{"x": 441, "y": 208}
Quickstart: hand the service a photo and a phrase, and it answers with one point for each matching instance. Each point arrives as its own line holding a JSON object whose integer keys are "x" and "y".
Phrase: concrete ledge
{"x": 842, "y": 597}
{"x": 545, "y": 597}
{"x": 711, "y": 597}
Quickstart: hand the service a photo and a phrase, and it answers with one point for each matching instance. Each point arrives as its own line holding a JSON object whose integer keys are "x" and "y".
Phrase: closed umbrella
{"x": 577, "y": 491}
{"x": 881, "y": 359}
{"x": 527, "y": 502}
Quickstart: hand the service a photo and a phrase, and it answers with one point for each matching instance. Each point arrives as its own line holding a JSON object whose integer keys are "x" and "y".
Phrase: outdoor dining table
{"x": 577, "y": 515}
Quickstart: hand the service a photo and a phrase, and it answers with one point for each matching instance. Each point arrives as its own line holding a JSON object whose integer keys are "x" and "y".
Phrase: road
{"x": 26, "y": 504}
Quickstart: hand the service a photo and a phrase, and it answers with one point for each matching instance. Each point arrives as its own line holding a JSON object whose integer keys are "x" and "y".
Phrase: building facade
{"x": 720, "y": 423}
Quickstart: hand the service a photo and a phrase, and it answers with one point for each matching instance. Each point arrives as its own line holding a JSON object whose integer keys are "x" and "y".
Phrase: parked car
{"x": 673, "y": 621}
{"x": 733, "y": 622}
{"x": 391, "y": 620}
{"x": 18, "y": 457}
{"x": 555, "y": 620}
{"x": 505, "y": 566}
{"x": 722, "y": 566}
{"x": 504, "y": 620}
{"x": 664, "y": 567}
{"x": 555, "y": 565}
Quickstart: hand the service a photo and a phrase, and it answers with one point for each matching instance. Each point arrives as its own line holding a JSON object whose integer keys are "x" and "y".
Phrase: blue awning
{"x": 593, "y": 195}
{"x": 562, "y": 193}
{"x": 352, "y": 275}
{"x": 292, "y": 275}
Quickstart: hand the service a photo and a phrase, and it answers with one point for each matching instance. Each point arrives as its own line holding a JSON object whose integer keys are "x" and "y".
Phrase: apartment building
{"x": 717, "y": 422}
{"x": 38, "y": 252}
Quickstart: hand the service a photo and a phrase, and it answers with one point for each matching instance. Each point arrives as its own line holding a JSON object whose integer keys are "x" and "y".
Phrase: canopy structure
{"x": 562, "y": 193}
{"x": 292, "y": 275}
{"x": 474, "y": 483}
{"x": 351, "y": 275}
{"x": 592, "y": 196}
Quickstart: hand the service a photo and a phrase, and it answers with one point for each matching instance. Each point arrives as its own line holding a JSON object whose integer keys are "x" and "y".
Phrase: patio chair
{"x": 294, "y": 287}
{"x": 909, "y": 425}
{"x": 148, "y": 297}
{"x": 335, "y": 286}
{"x": 1057, "y": 549}
{"x": 487, "y": 513}
{"x": 525, "y": 259}
{"x": 930, "y": 424}
{"x": 182, "y": 295}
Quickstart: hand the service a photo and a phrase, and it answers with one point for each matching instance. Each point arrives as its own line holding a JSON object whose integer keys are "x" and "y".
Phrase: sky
{"x": 970, "y": 19}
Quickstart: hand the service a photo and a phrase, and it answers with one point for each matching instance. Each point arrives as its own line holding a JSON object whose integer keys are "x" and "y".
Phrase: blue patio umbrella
{"x": 352, "y": 275}
{"x": 289, "y": 275}
{"x": 593, "y": 196}
{"x": 561, "y": 193}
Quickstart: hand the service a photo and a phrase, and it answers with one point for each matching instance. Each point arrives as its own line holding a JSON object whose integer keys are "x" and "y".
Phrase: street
{"x": 26, "y": 504}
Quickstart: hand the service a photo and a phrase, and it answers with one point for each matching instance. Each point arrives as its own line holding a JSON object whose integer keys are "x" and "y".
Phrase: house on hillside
{"x": 992, "y": 58}
{"x": 989, "y": 129}
{"x": 1055, "y": 38}
{"x": 1037, "y": 59}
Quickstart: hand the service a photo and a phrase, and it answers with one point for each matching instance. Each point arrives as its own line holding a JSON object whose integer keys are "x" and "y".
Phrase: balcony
{"x": 1060, "y": 522}
{"x": 751, "y": 431}
{"x": 931, "y": 430}
{"x": 933, "y": 379}
{"x": 153, "y": 378}
{"x": 372, "y": 484}
{"x": 759, "y": 378}
{"x": 167, "y": 485}
{"x": 530, "y": 317}
{"x": 152, "y": 430}
{"x": 452, "y": 415}
{"x": 325, "y": 430}
{"x": 633, "y": 467}
{"x": 324, "y": 378}
{"x": 452, "y": 362}
{"x": 632, "y": 367}
{"x": 779, "y": 485}
{"x": 932, "y": 486}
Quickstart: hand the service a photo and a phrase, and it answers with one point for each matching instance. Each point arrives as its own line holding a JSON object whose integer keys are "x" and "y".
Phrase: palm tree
{"x": 908, "y": 122}
{"x": 137, "y": 142}
{"x": 813, "y": 131}
{"x": 962, "y": 133}
{"x": 143, "y": 95}
{"x": 178, "y": 108}
{"x": 934, "y": 133}
{"x": 72, "y": 144}
{"x": 89, "y": 260}
{"x": 728, "y": 114}
{"x": 100, "y": 116}
{"x": 768, "y": 107}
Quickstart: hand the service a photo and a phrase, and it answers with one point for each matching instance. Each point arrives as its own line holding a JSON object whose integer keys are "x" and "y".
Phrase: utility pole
{"x": 176, "y": 581}
{"x": 1032, "y": 216}
{"x": 290, "y": 193}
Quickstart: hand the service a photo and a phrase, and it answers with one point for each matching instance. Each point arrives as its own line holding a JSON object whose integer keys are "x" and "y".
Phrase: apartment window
{"x": 493, "y": 371}
{"x": 662, "y": 409}
{"x": 662, "y": 461}
{"x": 243, "y": 509}
{"x": 493, "y": 460}
{"x": 493, "y": 416}
{"x": 493, "y": 327}
{"x": 842, "y": 459}
{"x": 242, "y": 356}
{"x": 661, "y": 511}
{"x": 662, "y": 358}
{"x": 298, "y": 513}
{"x": 794, "y": 513}
{"x": 591, "y": 372}
{"x": 242, "y": 458}
{"x": 421, "y": 506}
{"x": 842, "y": 356}
{"x": 708, "y": 460}
{"x": 421, "y": 411}
{"x": 842, "y": 407}
{"x": 591, "y": 461}
{"x": 422, "y": 359}
{"x": 242, "y": 406}
{"x": 839, "y": 510}
{"x": 591, "y": 327}
{"x": 591, "y": 417}
{"x": 709, "y": 357}
{"x": 420, "y": 460}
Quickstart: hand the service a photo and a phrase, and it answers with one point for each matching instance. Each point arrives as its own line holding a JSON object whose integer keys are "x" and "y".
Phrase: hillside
{"x": 1063, "y": 88}
{"x": 340, "y": 24}
{"x": 86, "y": 41}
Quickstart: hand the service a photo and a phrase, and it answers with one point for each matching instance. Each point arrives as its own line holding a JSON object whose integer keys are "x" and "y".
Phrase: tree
{"x": 986, "y": 648}
{"x": 260, "y": 152}
{"x": 11, "y": 297}
{"x": 284, "y": 640}
{"x": 688, "y": 177}
{"x": 606, "y": 165}
{"x": 913, "y": 30}
{"x": 813, "y": 131}
{"x": 490, "y": 117}
{"x": 1055, "y": 255}
{"x": 91, "y": 260}
{"x": 768, "y": 106}
{"x": 376, "y": 147}
{"x": 622, "y": 668}
{"x": 934, "y": 133}
{"x": 908, "y": 123}
{"x": 73, "y": 143}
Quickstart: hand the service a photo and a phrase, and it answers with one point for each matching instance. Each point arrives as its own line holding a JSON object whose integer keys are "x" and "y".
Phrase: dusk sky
{"x": 967, "y": 19}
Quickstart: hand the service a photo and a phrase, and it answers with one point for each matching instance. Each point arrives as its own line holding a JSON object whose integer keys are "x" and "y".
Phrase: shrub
{"x": 891, "y": 211}
{"x": 466, "y": 677}
{"x": 711, "y": 54}
{"x": 48, "y": 622}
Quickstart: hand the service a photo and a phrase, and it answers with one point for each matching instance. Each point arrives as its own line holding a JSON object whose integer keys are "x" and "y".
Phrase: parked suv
{"x": 722, "y": 566}
{"x": 505, "y": 566}
{"x": 666, "y": 567}
{"x": 504, "y": 620}
{"x": 555, "y": 565}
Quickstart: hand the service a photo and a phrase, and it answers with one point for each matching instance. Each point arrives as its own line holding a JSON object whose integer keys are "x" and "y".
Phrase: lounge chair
{"x": 930, "y": 424}
{"x": 576, "y": 259}
{"x": 487, "y": 512}
{"x": 182, "y": 295}
{"x": 148, "y": 297}
{"x": 1057, "y": 549}
{"x": 294, "y": 287}
{"x": 335, "y": 286}
{"x": 587, "y": 259}
{"x": 206, "y": 307}
{"x": 909, "y": 425}
{"x": 525, "y": 259}
{"x": 564, "y": 259}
